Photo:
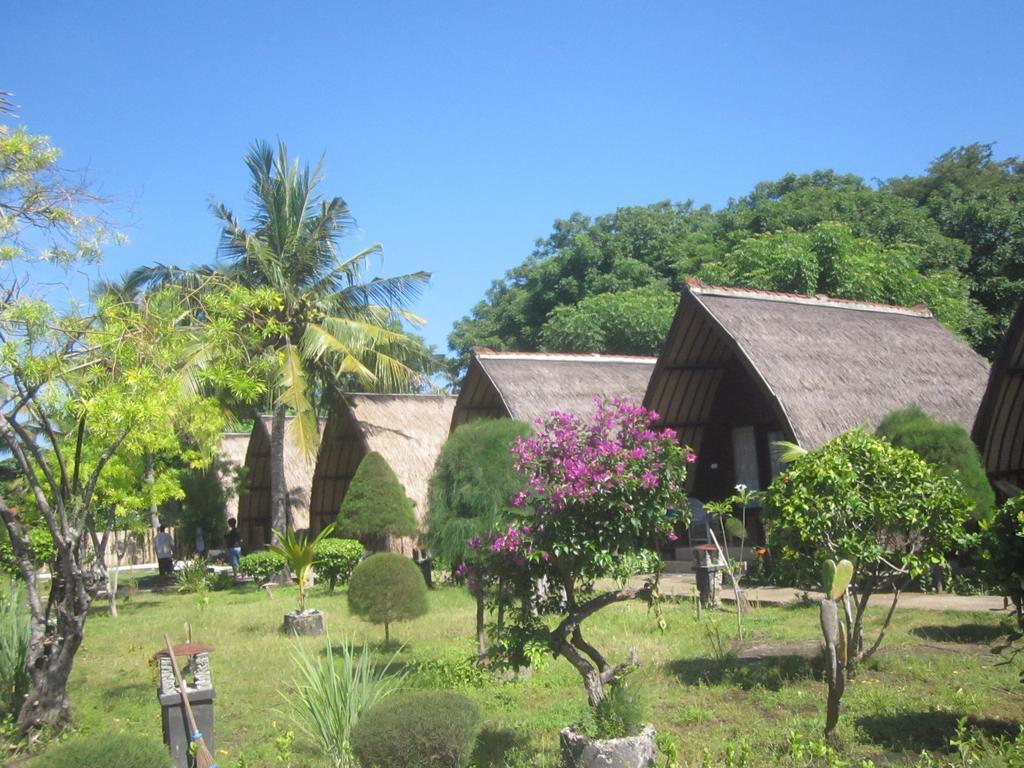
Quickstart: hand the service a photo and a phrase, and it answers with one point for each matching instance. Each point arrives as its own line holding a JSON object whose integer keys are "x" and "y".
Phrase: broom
{"x": 202, "y": 753}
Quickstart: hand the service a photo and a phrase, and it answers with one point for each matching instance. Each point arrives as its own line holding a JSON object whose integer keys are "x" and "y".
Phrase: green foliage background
{"x": 949, "y": 238}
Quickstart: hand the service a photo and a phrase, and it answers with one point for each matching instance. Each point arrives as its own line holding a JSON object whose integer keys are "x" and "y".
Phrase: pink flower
{"x": 690, "y": 457}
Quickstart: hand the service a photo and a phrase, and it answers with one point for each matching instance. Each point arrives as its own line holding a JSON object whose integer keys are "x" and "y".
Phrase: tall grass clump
{"x": 14, "y": 639}
{"x": 330, "y": 694}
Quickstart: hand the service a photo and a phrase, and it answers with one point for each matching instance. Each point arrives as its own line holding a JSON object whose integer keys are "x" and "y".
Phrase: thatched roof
{"x": 407, "y": 430}
{"x": 999, "y": 428}
{"x": 823, "y": 365}
{"x": 230, "y": 460}
{"x": 254, "y": 505}
{"x": 529, "y": 385}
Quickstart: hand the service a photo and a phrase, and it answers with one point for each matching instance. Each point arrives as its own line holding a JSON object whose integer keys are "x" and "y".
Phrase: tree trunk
{"x": 387, "y": 635}
{"x": 53, "y": 647}
{"x": 278, "y": 487}
{"x": 154, "y": 510}
{"x": 481, "y": 643}
{"x": 595, "y": 688}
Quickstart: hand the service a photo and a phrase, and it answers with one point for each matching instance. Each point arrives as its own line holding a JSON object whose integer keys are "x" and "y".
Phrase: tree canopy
{"x": 949, "y": 239}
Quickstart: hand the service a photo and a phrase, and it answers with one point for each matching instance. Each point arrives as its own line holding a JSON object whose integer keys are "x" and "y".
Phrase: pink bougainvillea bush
{"x": 600, "y": 494}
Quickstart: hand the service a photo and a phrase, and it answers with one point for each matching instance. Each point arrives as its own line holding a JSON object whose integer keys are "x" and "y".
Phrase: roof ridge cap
{"x": 568, "y": 357}
{"x": 817, "y": 300}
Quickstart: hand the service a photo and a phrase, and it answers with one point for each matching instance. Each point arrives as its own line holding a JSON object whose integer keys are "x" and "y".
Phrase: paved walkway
{"x": 684, "y": 585}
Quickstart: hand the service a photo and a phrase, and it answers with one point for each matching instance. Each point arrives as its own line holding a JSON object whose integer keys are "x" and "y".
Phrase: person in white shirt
{"x": 164, "y": 546}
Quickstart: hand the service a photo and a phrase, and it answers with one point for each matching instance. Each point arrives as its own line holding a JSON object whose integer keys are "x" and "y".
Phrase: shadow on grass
{"x": 914, "y": 731}
{"x": 100, "y": 607}
{"x": 129, "y": 691}
{"x": 979, "y": 634}
{"x": 493, "y": 744}
{"x": 769, "y": 672}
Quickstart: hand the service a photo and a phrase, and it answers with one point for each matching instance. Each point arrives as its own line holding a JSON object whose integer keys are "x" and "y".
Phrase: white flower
{"x": 741, "y": 488}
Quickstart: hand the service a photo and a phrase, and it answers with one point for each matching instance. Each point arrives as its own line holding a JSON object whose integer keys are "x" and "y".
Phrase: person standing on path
{"x": 233, "y": 543}
{"x": 164, "y": 546}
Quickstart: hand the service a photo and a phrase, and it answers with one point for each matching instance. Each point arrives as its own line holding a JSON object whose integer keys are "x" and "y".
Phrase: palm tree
{"x": 331, "y": 325}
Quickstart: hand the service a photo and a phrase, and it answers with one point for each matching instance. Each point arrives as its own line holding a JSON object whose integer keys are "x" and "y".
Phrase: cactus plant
{"x": 835, "y": 580}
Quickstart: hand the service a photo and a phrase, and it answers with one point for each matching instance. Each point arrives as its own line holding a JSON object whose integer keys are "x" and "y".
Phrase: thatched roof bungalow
{"x": 229, "y": 467}
{"x": 529, "y": 385}
{"x": 254, "y": 521}
{"x": 999, "y": 428}
{"x": 742, "y": 368}
{"x": 407, "y": 430}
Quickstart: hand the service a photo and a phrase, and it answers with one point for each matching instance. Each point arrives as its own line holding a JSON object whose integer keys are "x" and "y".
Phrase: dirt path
{"x": 683, "y": 585}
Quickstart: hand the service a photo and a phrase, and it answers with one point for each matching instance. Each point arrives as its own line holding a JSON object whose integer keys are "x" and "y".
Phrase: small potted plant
{"x": 299, "y": 552}
{"x": 599, "y": 493}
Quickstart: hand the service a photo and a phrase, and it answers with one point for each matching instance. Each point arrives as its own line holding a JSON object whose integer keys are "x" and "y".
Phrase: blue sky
{"x": 459, "y": 131}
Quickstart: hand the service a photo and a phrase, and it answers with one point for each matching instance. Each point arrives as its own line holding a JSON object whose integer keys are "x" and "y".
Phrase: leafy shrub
{"x": 1002, "y": 551}
{"x": 194, "y": 576}
{"x": 385, "y": 588}
{"x": 221, "y": 581}
{"x": 125, "y": 750}
{"x": 447, "y": 674}
{"x": 14, "y": 638}
{"x": 335, "y": 559}
{"x": 376, "y": 505}
{"x": 40, "y": 544}
{"x": 861, "y": 499}
{"x": 621, "y": 713}
{"x": 329, "y": 697}
{"x": 945, "y": 445}
{"x": 261, "y": 566}
{"x": 420, "y": 729}
{"x": 299, "y": 553}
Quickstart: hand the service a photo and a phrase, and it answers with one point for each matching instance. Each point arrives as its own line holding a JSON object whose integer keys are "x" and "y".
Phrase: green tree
{"x": 638, "y": 247}
{"x": 861, "y": 499}
{"x": 890, "y": 247}
{"x": 103, "y": 389}
{"x": 1002, "y": 555}
{"x": 470, "y": 491}
{"x": 633, "y": 322}
{"x": 376, "y": 506}
{"x": 330, "y": 325}
{"x": 385, "y": 588}
{"x": 946, "y": 446}
{"x": 977, "y": 200}
{"x": 83, "y": 391}
{"x": 828, "y": 258}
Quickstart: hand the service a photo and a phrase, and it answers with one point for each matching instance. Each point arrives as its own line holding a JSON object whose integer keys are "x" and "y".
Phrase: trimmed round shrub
{"x": 261, "y": 566}
{"x": 335, "y": 559}
{"x": 420, "y": 729}
{"x": 125, "y": 750}
{"x": 385, "y": 588}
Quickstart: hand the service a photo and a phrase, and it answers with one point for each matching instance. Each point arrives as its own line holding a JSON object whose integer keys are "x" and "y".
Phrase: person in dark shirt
{"x": 233, "y": 543}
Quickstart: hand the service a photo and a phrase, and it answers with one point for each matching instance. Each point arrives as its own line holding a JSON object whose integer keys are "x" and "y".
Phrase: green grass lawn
{"x": 933, "y": 668}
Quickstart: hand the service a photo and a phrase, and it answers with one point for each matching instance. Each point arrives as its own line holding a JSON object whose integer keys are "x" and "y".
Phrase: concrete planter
{"x": 579, "y": 751}
{"x": 305, "y": 623}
